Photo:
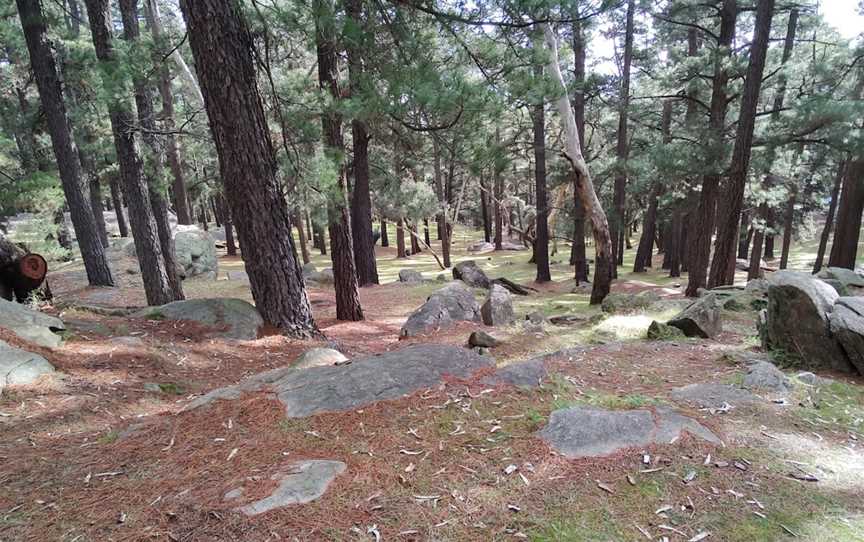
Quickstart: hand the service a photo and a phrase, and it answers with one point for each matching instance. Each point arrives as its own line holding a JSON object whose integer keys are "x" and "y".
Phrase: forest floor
{"x": 105, "y": 453}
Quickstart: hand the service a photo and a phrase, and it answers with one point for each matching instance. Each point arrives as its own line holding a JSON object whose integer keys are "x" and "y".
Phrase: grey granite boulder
{"x": 483, "y": 339}
{"x": 20, "y": 367}
{"x": 579, "y": 432}
{"x": 847, "y": 327}
{"x": 30, "y": 325}
{"x": 523, "y": 374}
{"x": 241, "y": 318}
{"x": 469, "y": 273}
{"x": 616, "y": 303}
{"x": 700, "y": 319}
{"x": 481, "y": 246}
{"x": 764, "y": 376}
{"x": 319, "y": 357}
{"x": 454, "y": 302}
{"x": 659, "y": 331}
{"x": 410, "y": 276}
{"x": 711, "y": 395}
{"x": 362, "y": 382}
{"x": 319, "y": 278}
{"x": 497, "y": 310}
{"x": 195, "y": 250}
{"x": 797, "y": 319}
{"x": 303, "y": 482}
{"x": 847, "y": 277}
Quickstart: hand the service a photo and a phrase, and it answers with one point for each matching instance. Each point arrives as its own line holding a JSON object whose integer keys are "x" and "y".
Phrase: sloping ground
{"x": 106, "y": 452}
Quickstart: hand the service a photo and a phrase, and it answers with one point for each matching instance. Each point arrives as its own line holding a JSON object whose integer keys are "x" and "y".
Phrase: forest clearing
{"x": 587, "y": 270}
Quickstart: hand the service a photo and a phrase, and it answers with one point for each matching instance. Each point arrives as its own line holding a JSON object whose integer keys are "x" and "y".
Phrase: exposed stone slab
{"x": 305, "y": 481}
{"x": 20, "y": 366}
{"x": 469, "y": 273}
{"x": 711, "y": 395}
{"x": 34, "y": 326}
{"x": 454, "y": 302}
{"x": 523, "y": 374}
{"x": 241, "y": 317}
{"x": 319, "y": 357}
{"x": 362, "y": 382}
{"x": 764, "y": 376}
{"x": 579, "y": 432}
{"x": 700, "y": 319}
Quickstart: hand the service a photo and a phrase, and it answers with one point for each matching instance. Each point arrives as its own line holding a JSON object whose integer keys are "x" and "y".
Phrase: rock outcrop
{"x": 497, "y": 310}
{"x": 239, "y": 317}
{"x": 700, "y": 319}
{"x": 452, "y": 303}
{"x": 469, "y": 273}
{"x": 31, "y": 325}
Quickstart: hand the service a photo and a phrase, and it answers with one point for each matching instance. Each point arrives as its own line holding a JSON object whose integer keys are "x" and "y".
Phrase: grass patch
{"x": 109, "y": 437}
{"x": 837, "y": 403}
{"x": 608, "y": 401}
{"x": 585, "y": 526}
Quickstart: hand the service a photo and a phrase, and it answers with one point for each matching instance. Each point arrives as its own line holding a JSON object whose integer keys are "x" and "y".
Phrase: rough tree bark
{"x": 541, "y": 239}
{"x": 147, "y": 121}
{"x": 117, "y": 202}
{"x": 755, "y": 268}
{"x": 144, "y": 230}
{"x": 649, "y": 222}
{"x": 829, "y": 219}
{"x": 172, "y": 147}
{"x": 699, "y": 251}
{"x": 222, "y": 46}
{"x": 400, "y": 238}
{"x": 844, "y": 247}
{"x": 788, "y": 223}
{"x": 723, "y": 262}
{"x": 48, "y": 82}
{"x": 573, "y": 151}
{"x": 301, "y": 235}
{"x": 338, "y": 217}
{"x": 441, "y": 216}
{"x": 361, "y": 201}
{"x": 385, "y": 239}
{"x": 622, "y": 146}
{"x": 498, "y": 193}
{"x": 578, "y": 259}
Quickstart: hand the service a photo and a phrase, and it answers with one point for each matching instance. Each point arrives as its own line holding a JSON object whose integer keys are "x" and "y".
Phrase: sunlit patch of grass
{"x": 837, "y": 403}
{"x": 109, "y": 437}
{"x": 597, "y": 525}
{"x": 601, "y": 399}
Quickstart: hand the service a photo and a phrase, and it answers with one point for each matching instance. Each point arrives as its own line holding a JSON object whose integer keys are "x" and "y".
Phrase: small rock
{"x": 240, "y": 317}
{"x": 20, "y": 366}
{"x": 536, "y": 317}
{"x": 481, "y": 338}
{"x": 452, "y": 303}
{"x": 658, "y": 331}
{"x": 812, "y": 379}
{"x": 709, "y": 395}
{"x": 410, "y": 276}
{"x": 318, "y": 357}
{"x": 618, "y": 303}
{"x": 763, "y": 375}
{"x": 469, "y": 273}
{"x": 30, "y": 325}
{"x": 700, "y": 319}
{"x": 497, "y": 310}
{"x": 305, "y": 482}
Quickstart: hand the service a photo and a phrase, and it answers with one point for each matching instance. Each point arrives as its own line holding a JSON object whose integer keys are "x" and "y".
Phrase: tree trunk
{"x": 622, "y": 147}
{"x": 723, "y": 262}
{"x": 788, "y": 223}
{"x": 541, "y": 240}
{"x": 144, "y": 229}
{"x": 400, "y": 238}
{"x": 498, "y": 187}
{"x": 649, "y": 222}
{"x": 361, "y": 201}
{"x": 339, "y": 220}
{"x": 96, "y": 201}
{"x": 117, "y": 200}
{"x": 301, "y": 234}
{"x": 319, "y": 235}
{"x": 744, "y": 240}
{"x": 755, "y": 268}
{"x": 844, "y": 248}
{"x": 829, "y": 219}
{"x": 699, "y": 251}
{"x": 385, "y": 239}
{"x": 222, "y": 46}
{"x": 54, "y": 108}
{"x": 172, "y": 147}
{"x": 578, "y": 259}
{"x": 674, "y": 242}
{"x": 415, "y": 245}
{"x": 484, "y": 207}
{"x": 585, "y": 188}
{"x": 441, "y": 216}
{"x": 147, "y": 120}
{"x": 230, "y": 245}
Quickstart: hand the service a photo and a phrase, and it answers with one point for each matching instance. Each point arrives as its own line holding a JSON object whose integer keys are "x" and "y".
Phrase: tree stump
{"x": 21, "y": 271}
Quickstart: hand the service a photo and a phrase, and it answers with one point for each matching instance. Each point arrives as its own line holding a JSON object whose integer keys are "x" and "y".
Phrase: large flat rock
{"x": 20, "y": 366}
{"x": 847, "y": 327}
{"x": 712, "y": 395}
{"x": 303, "y": 481}
{"x": 579, "y": 432}
{"x": 364, "y": 381}
{"x": 30, "y": 325}
{"x": 240, "y": 317}
{"x": 454, "y": 302}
